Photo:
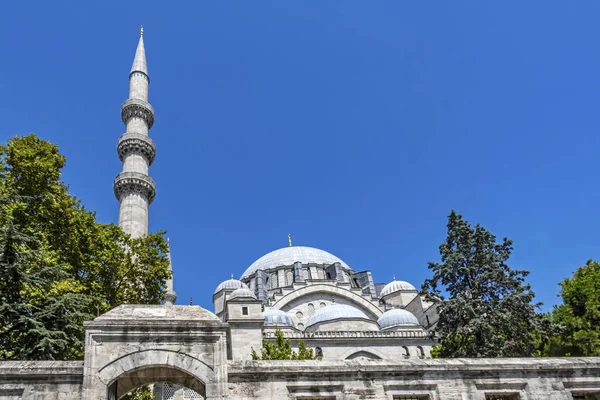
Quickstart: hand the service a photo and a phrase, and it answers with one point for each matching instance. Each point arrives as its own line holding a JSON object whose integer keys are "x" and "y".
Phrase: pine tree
{"x": 489, "y": 310}
{"x": 37, "y": 323}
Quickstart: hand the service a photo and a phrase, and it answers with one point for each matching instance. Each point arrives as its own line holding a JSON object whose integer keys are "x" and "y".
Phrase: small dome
{"x": 291, "y": 255}
{"x": 396, "y": 286}
{"x": 397, "y": 317}
{"x": 242, "y": 293}
{"x": 274, "y": 317}
{"x": 230, "y": 284}
{"x": 335, "y": 311}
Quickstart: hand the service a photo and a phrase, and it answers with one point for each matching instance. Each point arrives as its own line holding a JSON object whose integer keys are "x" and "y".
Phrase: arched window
{"x": 318, "y": 353}
{"x": 421, "y": 352}
{"x": 405, "y": 352}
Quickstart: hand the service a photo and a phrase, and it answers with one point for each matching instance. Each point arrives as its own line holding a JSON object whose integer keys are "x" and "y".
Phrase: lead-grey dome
{"x": 242, "y": 293}
{"x": 275, "y": 317}
{"x": 291, "y": 255}
{"x": 230, "y": 284}
{"x": 397, "y": 317}
{"x": 335, "y": 311}
{"x": 396, "y": 286}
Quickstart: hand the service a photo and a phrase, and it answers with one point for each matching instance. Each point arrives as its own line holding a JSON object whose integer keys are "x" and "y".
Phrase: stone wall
{"x": 528, "y": 379}
{"x": 41, "y": 380}
{"x": 461, "y": 379}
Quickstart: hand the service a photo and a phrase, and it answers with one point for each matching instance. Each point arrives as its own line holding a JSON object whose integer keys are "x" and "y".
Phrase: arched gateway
{"x": 134, "y": 345}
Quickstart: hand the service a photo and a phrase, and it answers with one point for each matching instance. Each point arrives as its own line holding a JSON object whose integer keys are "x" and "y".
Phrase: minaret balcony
{"x": 136, "y": 142}
{"x": 134, "y": 182}
{"x": 136, "y": 108}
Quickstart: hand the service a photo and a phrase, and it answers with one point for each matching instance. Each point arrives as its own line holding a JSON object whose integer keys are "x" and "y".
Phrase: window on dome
{"x": 244, "y": 310}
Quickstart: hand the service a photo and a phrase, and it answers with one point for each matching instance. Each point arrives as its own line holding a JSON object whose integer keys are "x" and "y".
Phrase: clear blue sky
{"x": 355, "y": 126}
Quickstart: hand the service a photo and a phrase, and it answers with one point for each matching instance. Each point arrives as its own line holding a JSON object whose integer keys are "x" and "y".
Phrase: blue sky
{"x": 355, "y": 126}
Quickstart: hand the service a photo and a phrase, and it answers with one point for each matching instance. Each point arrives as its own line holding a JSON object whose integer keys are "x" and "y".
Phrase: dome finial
{"x": 141, "y": 30}
{"x": 394, "y": 278}
{"x": 290, "y": 240}
{"x": 231, "y": 276}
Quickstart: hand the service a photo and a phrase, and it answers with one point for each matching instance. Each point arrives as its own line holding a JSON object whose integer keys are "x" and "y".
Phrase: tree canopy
{"x": 59, "y": 266}
{"x": 579, "y": 315}
{"x": 485, "y": 307}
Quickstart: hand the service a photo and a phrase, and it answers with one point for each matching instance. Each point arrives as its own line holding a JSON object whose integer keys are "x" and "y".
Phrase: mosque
{"x": 308, "y": 293}
{"x": 372, "y": 340}
{"x": 313, "y": 296}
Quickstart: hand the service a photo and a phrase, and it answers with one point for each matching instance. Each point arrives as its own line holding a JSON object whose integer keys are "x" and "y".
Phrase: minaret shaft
{"x": 133, "y": 187}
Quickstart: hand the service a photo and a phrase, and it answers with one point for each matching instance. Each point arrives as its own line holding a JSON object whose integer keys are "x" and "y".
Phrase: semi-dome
{"x": 242, "y": 293}
{"x": 230, "y": 284}
{"x": 397, "y": 317}
{"x": 396, "y": 286}
{"x": 275, "y": 317}
{"x": 291, "y": 255}
{"x": 335, "y": 311}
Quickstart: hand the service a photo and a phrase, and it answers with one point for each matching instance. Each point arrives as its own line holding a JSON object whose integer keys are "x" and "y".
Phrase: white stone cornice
{"x": 131, "y": 142}
{"x": 132, "y": 108}
{"x": 134, "y": 182}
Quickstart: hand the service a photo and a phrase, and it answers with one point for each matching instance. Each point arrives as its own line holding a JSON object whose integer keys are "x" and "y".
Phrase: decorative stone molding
{"x": 139, "y": 73}
{"x": 349, "y": 334}
{"x": 134, "y": 182}
{"x": 130, "y": 142}
{"x": 137, "y": 108}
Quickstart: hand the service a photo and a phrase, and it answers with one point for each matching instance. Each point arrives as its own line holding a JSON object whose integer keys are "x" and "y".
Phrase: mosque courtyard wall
{"x": 519, "y": 378}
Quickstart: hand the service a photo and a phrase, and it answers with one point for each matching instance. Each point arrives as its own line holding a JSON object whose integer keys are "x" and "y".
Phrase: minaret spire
{"x": 134, "y": 189}
{"x": 171, "y": 296}
{"x": 139, "y": 61}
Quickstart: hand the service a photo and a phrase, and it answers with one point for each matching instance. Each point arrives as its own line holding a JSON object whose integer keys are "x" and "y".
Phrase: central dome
{"x": 290, "y": 255}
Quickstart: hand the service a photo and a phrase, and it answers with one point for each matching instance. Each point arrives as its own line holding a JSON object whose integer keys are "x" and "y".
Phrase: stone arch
{"x": 154, "y": 365}
{"x": 371, "y": 309}
{"x": 376, "y": 354}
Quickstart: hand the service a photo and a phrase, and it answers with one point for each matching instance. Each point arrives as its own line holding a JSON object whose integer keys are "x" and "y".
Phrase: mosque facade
{"x": 313, "y": 296}
{"x": 371, "y": 340}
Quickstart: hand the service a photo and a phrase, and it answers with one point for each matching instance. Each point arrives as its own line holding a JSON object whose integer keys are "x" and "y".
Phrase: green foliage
{"x": 46, "y": 326}
{"x": 435, "y": 351}
{"x": 142, "y": 393}
{"x": 282, "y": 350}
{"x": 579, "y": 315}
{"x": 489, "y": 310}
{"x": 59, "y": 266}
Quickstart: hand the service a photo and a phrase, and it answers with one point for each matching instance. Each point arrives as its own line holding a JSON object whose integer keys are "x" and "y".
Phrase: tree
{"x": 489, "y": 310}
{"x": 579, "y": 315}
{"x": 36, "y": 321}
{"x": 282, "y": 350}
{"x": 94, "y": 266}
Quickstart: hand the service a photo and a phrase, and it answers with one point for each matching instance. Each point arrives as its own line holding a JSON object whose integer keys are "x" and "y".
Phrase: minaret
{"x": 134, "y": 189}
{"x": 170, "y": 296}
